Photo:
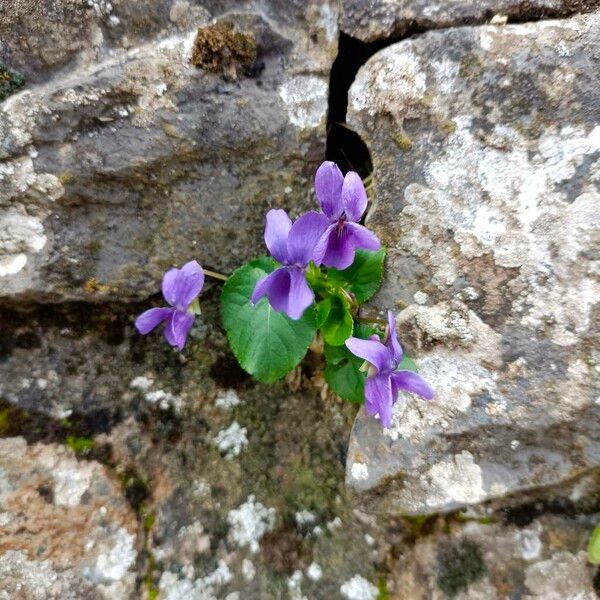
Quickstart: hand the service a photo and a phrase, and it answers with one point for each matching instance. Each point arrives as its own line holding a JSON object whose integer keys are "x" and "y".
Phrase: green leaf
{"x": 334, "y": 319}
{"x": 363, "y": 276}
{"x": 343, "y": 373}
{"x": 267, "y": 344}
{"x": 408, "y": 364}
{"x": 594, "y": 546}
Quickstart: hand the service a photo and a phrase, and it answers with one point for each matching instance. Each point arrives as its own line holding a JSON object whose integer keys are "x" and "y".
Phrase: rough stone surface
{"x": 486, "y": 150}
{"x": 129, "y": 470}
{"x": 66, "y": 530}
{"x": 388, "y": 19}
{"x": 542, "y": 558}
{"x": 133, "y": 159}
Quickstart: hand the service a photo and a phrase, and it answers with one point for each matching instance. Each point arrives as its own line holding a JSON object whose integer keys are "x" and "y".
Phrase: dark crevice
{"x": 344, "y": 146}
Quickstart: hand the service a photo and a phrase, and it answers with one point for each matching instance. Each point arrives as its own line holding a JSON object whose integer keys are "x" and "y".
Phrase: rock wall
{"x": 149, "y": 132}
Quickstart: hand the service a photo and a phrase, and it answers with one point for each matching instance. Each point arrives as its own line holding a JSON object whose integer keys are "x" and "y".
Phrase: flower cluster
{"x": 385, "y": 377}
{"x": 324, "y": 265}
{"x": 329, "y": 238}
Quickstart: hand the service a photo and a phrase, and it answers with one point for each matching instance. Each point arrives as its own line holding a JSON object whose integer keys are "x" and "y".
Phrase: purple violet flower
{"x": 384, "y": 381}
{"x": 180, "y": 288}
{"x": 292, "y": 246}
{"x": 343, "y": 200}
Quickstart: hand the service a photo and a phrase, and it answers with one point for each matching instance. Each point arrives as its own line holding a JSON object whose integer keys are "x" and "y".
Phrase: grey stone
{"x": 67, "y": 530}
{"x": 388, "y": 19}
{"x": 486, "y": 151}
{"x": 120, "y": 167}
{"x": 483, "y": 560}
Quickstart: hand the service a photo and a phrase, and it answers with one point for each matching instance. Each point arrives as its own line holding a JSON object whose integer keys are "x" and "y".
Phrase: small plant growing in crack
{"x": 322, "y": 267}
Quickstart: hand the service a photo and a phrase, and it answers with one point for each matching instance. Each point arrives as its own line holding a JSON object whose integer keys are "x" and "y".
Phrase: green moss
{"x": 10, "y": 82}
{"x": 382, "y": 589}
{"x": 470, "y": 66}
{"x": 149, "y": 520}
{"x": 402, "y": 141}
{"x": 448, "y": 127}
{"x": 4, "y": 415}
{"x": 82, "y": 446}
{"x": 419, "y": 526}
{"x": 460, "y": 564}
{"x": 93, "y": 246}
{"x": 66, "y": 177}
{"x": 220, "y": 48}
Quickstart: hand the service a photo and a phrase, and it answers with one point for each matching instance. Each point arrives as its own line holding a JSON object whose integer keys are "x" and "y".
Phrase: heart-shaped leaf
{"x": 267, "y": 344}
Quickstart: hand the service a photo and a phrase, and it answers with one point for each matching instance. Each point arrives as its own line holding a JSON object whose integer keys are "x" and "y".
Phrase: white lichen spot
{"x": 141, "y": 382}
{"x": 11, "y": 265}
{"x": 336, "y": 523}
{"x": 457, "y": 479}
{"x": 232, "y": 441}
{"x": 562, "y": 49}
{"x": 528, "y": 543}
{"x": 359, "y": 471}
{"x": 204, "y": 588}
{"x": 228, "y": 399}
{"x": 20, "y": 236}
{"x": 71, "y": 481}
{"x": 314, "y": 572}
{"x": 328, "y": 21}
{"x": 117, "y": 555}
{"x": 305, "y": 517}
{"x": 250, "y": 522}
{"x": 305, "y": 98}
{"x": 420, "y": 297}
{"x": 358, "y": 588}
{"x": 248, "y": 570}
{"x": 163, "y": 399}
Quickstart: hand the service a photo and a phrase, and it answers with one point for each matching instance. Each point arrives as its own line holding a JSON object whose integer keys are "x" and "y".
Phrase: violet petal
{"x": 361, "y": 237}
{"x": 392, "y": 342}
{"x": 150, "y": 319}
{"x": 378, "y": 398}
{"x": 370, "y": 350}
{"x": 181, "y": 286}
{"x": 300, "y": 296}
{"x": 276, "y": 286}
{"x": 304, "y": 236}
{"x": 339, "y": 250}
{"x": 328, "y": 188}
{"x": 277, "y": 230}
{"x": 354, "y": 196}
{"x": 412, "y": 382}
{"x": 177, "y": 328}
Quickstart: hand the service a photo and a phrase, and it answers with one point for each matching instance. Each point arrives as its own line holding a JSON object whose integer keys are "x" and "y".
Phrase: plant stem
{"x": 377, "y": 320}
{"x": 215, "y": 275}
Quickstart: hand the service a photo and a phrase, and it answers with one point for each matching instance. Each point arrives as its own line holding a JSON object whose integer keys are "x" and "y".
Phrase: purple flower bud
{"x": 293, "y": 246}
{"x": 180, "y": 288}
{"x": 385, "y": 380}
{"x": 343, "y": 201}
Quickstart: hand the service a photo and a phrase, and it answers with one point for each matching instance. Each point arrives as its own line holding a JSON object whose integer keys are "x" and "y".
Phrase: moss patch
{"x": 460, "y": 564}
{"x": 219, "y": 48}
{"x": 10, "y": 82}
{"x": 470, "y": 66}
{"x": 402, "y": 141}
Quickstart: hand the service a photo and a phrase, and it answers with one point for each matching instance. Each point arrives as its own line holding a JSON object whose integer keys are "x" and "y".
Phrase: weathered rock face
{"x": 490, "y": 561}
{"x": 486, "y": 152}
{"x": 66, "y": 530}
{"x": 117, "y": 167}
{"x": 384, "y": 19}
